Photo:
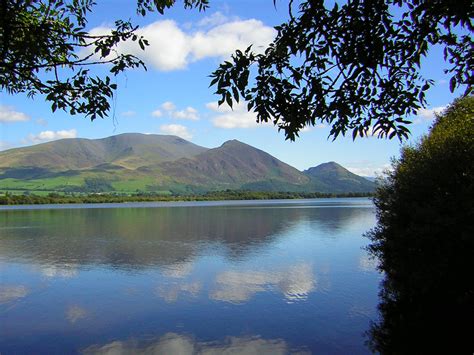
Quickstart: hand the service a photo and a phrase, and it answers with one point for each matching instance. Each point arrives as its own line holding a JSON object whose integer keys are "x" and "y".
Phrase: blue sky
{"x": 173, "y": 97}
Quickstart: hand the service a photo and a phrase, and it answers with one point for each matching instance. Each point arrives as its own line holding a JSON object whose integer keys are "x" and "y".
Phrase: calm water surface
{"x": 271, "y": 277}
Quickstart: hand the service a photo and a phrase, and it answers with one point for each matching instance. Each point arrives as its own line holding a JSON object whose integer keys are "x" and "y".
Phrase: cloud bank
{"x": 8, "y": 114}
{"x": 176, "y": 130}
{"x": 430, "y": 113}
{"x": 236, "y": 117}
{"x": 174, "y": 48}
{"x": 46, "y": 136}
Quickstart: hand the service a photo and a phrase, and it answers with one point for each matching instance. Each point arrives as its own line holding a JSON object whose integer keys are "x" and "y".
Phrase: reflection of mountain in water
{"x": 172, "y": 343}
{"x": 140, "y": 237}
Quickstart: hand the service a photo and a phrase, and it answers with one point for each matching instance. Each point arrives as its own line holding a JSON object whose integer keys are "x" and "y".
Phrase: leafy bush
{"x": 425, "y": 240}
{"x": 97, "y": 185}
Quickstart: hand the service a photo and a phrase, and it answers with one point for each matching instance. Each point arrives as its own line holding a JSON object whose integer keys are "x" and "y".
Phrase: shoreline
{"x": 218, "y": 196}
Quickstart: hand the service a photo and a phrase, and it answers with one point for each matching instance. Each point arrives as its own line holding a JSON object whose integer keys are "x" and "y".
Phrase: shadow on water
{"x": 426, "y": 300}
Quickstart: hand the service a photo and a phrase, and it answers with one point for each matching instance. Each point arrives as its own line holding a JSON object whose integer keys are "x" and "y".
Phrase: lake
{"x": 250, "y": 277}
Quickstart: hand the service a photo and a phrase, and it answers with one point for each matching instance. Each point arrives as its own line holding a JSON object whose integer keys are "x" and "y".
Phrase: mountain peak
{"x": 232, "y": 142}
{"x": 325, "y": 167}
{"x": 335, "y": 175}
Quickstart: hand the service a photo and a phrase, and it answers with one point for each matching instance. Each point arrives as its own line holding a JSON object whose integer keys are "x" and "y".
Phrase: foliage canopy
{"x": 354, "y": 67}
{"x": 424, "y": 240}
{"x": 45, "y": 48}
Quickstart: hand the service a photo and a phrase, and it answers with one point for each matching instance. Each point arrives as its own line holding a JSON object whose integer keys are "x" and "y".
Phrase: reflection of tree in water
{"x": 427, "y": 299}
{"x": 131, "y": 238}
{"x": 435, "y": 320}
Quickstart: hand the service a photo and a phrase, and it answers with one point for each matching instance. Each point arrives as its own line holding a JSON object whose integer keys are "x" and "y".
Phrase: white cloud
{"x": 368, "y": 169}
{"x": 8, "y": 114}
{"x": 238, "y": 117}
{"x": 168, "y": 106}
{"x": 189, "y": 113}
{"x": 157, "y": 113}
{"x": 215, "y": 19}
{"x": 223, "y": 40}
{"x": 176, "y": 130}
{"x": 430, "y": 113}
{"x": 128, "y": 114}
{"x": 46, "y": 136}
{"x": 172, "y": 48}
{"x": 310, "y": 128}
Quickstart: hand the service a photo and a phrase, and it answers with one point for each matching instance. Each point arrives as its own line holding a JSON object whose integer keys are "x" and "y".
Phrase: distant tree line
{"x": 56, "y": 198}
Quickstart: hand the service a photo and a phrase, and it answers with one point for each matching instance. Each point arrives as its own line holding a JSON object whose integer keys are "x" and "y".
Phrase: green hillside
{"x": 230, "y": 166}
{"x": 332, "y": 177}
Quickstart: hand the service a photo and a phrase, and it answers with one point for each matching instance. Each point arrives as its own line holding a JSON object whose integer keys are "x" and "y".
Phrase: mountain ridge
{"x": 134, "y": 162}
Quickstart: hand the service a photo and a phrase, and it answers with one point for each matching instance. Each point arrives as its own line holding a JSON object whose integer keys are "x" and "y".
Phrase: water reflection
{"x": 59, "y": 271}
{"x": 367, "y": 263}
{"x": 75, "y": 313}
{"x": 293, "y": 273}
{"x": 178, "y": 270}
{"x": 171, "y": 292}
{"x": 9, "y": 293}
{"x": 239, "y": 286}
{"x": 133, "y": 238}
{"x": 173, "y": 343}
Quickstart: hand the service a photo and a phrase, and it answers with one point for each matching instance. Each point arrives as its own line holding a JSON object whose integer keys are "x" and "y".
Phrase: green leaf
{"x": 452, "y": 84}
{"x": 228, "y": 99}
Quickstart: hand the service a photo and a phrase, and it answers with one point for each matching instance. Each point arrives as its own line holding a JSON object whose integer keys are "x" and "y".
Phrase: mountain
{"x": 232, "y": 165}
{"x": 129, "y": 150}
{"x": 333, "y": 177}
{"x": 166, "y": 164}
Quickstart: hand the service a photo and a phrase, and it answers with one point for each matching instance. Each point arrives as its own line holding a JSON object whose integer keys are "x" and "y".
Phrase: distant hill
{"x": 130, "y": 150}
{"x": 335, "y": 178}
{"x": 232, "y": 165}
{"x": 166, "y": 164}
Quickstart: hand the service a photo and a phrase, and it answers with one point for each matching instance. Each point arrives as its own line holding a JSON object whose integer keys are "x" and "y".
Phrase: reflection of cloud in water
{"x": 178, "y": 270}
{"x": 170, "y": 292}
{"x": 295, "y": 283}
{"x": 12, "y": 293}
{"x": 66, "y": 271}
{"x": 74, "y": 313}
{"x": 366, "y": 263}
{"x": 172, "y": 343}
